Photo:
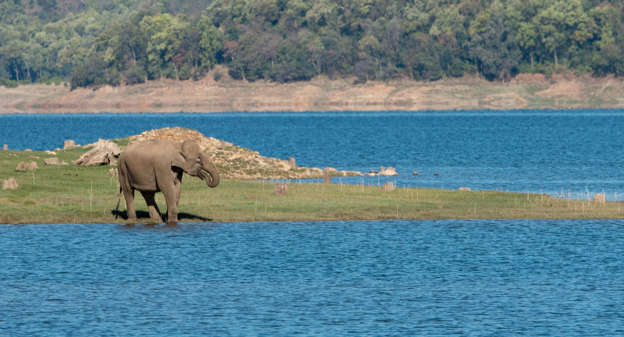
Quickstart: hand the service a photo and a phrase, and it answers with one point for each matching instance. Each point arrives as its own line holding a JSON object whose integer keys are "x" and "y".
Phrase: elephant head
{"x": 195, "y": 163}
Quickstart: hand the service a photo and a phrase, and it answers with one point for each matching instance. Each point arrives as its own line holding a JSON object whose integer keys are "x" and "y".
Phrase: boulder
{"x": 27, "y": 166}
{"x": 54, "y": 162}
{"x": 5, "y": 147}
{"x": 465, "y": 189}
{"x": 69, "y": 144}
{"x": 388, "y": 172}
{"x": 10, "y": 184}
{"x": 103, "y": 152}
{"x": 292, "y": 163}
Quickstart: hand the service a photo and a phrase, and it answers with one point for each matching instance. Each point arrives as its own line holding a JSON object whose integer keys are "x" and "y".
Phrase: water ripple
{"x": 382, "y": 278}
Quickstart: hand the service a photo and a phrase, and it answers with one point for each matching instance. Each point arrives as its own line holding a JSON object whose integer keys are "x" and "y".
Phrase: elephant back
{"x": 139, "y": 162}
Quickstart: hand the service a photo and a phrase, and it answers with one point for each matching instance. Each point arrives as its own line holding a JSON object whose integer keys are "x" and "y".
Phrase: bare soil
{"x": 526, "y": 91}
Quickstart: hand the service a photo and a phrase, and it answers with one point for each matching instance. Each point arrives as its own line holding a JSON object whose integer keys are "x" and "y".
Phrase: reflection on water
{"x": 382, "y": 278}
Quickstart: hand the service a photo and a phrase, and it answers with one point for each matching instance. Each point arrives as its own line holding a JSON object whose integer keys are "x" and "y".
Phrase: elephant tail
{"x": 122, "y": 173}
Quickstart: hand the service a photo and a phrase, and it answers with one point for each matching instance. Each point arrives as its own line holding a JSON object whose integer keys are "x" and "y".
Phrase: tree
{"x": 211, "y": 43}
{"x": 492, "y": 44}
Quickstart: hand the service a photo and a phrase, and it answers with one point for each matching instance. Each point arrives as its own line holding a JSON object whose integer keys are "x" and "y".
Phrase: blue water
{"x": 357, "y": 278}
{"x": 377, "y": 278}
{"x": 563, "y": 153}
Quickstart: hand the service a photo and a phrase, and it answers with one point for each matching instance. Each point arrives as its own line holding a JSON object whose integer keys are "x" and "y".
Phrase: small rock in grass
{"x": 10, "y": 184}
{"x": 281, "y": 189}
{"x": 600, "y": 198}
{"x": 388, "y": 187}
{"x": 27, "y": 166}
{"x": 54, "y": 162}
{"x": 327, "y": 175}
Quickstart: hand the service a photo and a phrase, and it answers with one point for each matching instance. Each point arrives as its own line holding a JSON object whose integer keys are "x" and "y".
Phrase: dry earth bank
{"x": 320, "y": 94}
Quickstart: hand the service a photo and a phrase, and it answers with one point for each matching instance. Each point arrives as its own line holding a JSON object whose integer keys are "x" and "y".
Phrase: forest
{"x": 97, "y": 42}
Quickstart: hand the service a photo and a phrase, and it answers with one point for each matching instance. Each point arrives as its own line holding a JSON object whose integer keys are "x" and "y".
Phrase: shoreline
{"x": 524, "y": 92}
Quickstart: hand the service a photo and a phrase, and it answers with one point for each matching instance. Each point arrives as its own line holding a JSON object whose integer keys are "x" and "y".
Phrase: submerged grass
{"x": 72, "y": 194}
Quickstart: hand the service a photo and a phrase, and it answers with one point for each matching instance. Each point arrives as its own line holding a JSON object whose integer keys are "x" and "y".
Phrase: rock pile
{"x": 236, "y": 162}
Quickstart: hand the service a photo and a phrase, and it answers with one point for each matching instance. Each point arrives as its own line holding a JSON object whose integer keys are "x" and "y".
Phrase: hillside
{"x": 124, "y": 42}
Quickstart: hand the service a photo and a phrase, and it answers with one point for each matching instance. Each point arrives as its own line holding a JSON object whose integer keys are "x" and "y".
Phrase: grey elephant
{"x": 158, "y": 166}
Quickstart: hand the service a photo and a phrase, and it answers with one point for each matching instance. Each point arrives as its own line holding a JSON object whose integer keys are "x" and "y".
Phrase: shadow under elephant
{"x": 144, "y": 215}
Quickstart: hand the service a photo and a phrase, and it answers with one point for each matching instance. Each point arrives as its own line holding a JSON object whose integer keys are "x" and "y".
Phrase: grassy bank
{"x": 73, "y": 194}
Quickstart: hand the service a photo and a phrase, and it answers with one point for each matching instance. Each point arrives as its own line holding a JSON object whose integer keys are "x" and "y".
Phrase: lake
{"x": 356, "y": 278}
{"x": 381, "y": 278}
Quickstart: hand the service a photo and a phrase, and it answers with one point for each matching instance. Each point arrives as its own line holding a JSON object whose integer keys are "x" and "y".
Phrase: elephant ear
{"x": 179, "y": 161}
{"x": 187, "y": 156}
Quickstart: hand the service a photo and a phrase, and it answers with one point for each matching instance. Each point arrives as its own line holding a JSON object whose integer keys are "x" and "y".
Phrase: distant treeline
{"x": 95, "y": 42}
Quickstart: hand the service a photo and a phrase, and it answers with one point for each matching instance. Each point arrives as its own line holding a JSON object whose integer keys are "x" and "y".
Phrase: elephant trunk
{"x": 209, "y": 172}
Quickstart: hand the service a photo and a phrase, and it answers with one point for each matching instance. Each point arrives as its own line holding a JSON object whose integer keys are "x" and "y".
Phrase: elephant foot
{"x": 156, "y": 218}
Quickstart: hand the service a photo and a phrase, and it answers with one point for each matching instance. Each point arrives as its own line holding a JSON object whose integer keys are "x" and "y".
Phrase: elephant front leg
{"x": 129, "y": 196}
{"x": 154, "y": 212}
{"x": 171, "y": 196}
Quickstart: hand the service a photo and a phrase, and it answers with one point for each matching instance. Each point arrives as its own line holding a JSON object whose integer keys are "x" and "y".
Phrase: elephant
{"x": 158, "y": 166}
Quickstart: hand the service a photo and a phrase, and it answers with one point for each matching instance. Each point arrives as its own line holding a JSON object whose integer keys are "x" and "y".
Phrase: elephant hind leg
{"x": 154, "y": 212}
{"x": 129, "y": 196}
